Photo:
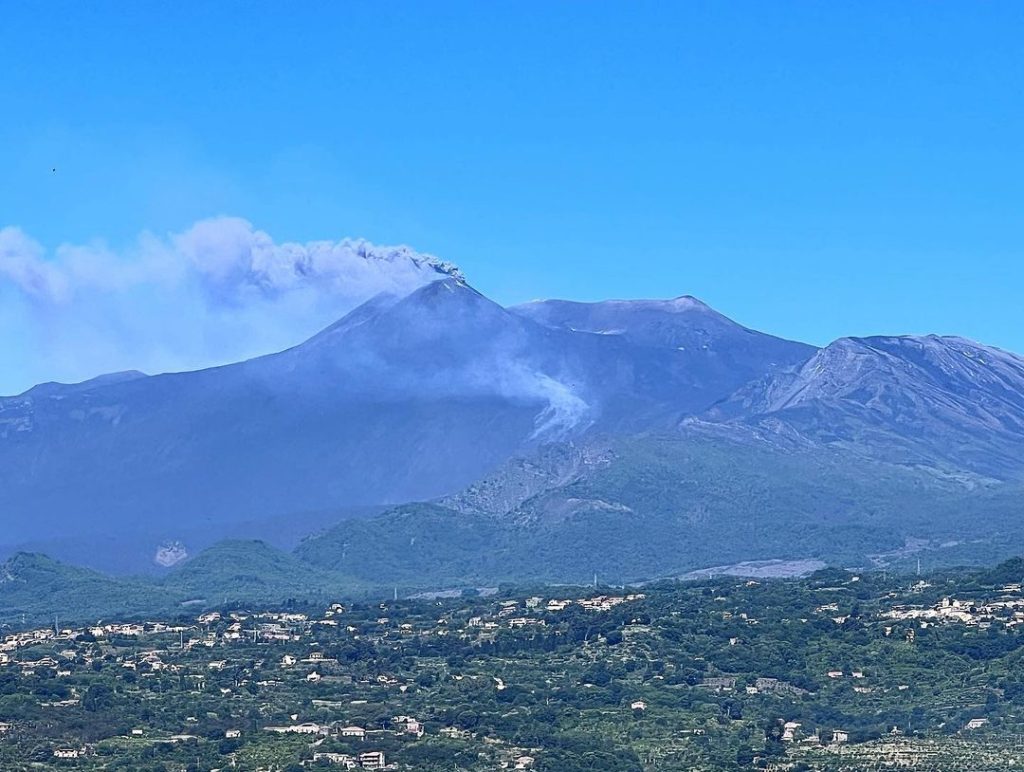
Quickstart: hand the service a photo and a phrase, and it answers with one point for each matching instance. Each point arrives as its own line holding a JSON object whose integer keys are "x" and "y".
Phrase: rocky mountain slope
{"x": 942, "y": 402}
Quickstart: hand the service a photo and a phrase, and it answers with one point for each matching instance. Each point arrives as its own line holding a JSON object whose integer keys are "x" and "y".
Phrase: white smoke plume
{"x": 220, "y": 291}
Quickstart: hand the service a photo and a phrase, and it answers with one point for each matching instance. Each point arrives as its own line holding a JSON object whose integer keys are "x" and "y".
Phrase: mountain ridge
{"x": 402, "y": 399}
{"x": 494, "y": 414}
{"x": 919, "y": 399}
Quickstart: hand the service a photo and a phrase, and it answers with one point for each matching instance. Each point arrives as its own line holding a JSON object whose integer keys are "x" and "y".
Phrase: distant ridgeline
{"x": 439, "y": 439}
{"x": 232, "y": 575}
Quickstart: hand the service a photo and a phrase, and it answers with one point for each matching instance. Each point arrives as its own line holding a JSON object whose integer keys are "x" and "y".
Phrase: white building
{"x": 372, "y": 760}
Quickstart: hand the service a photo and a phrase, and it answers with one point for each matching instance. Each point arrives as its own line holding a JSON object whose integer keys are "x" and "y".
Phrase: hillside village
{"x": 678, "y": 676}
{"x": 1006, "y": 609}
{"x": 199, "y": 651}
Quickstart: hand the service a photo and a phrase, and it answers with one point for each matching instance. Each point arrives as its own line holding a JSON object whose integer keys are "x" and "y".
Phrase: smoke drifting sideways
{"x": 221, "y": 291}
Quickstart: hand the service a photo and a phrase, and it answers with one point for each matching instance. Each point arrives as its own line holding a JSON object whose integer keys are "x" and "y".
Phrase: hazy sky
{"x": 810, "y": 169}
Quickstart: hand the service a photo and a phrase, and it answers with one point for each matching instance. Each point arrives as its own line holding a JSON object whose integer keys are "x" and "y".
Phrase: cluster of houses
{"x": 403, "y": 725}
{"x": 1007, "y": 610}
{"x": 222, "y": 629}
{"x": 368, "y": 760}
{"x": 214, "y": 628}
{"x": 14, "y": 641}
{"x": 791, "y": 733}
{"x": 597, "y": 603}
{"x": 65, "y": 652}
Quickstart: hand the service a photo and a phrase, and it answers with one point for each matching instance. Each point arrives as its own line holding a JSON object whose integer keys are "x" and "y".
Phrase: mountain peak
{"x": 449, "y": 288}
{"x": 913, "y": 398}
{"x": 689, "y": 303}
{"x": 448, "y": 292}
{"x": 942, "y": 353}
{"x": 680, "y": 304}
{"x": 684, "y": 323}
{"x": 437, "y": 307}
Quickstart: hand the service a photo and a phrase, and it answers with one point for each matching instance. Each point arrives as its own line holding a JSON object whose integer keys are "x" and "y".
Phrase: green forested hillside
{"x": 35, "y": 588}
{"x": 252, "y": 570}
{"x": 640, "y": 508}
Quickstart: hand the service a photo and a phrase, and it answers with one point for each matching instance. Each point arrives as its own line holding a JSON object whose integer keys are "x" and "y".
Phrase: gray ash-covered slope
{"x": 403, "y": 399}
{"x": 723, "y": 355}
{"x": 944, "y": 402}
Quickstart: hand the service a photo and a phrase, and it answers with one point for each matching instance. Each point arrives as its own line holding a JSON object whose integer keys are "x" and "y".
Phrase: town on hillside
{"x": 830, "y": 670}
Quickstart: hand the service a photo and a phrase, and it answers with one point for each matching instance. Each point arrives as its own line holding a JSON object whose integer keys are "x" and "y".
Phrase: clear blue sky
{"x": 810, "y": 169}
